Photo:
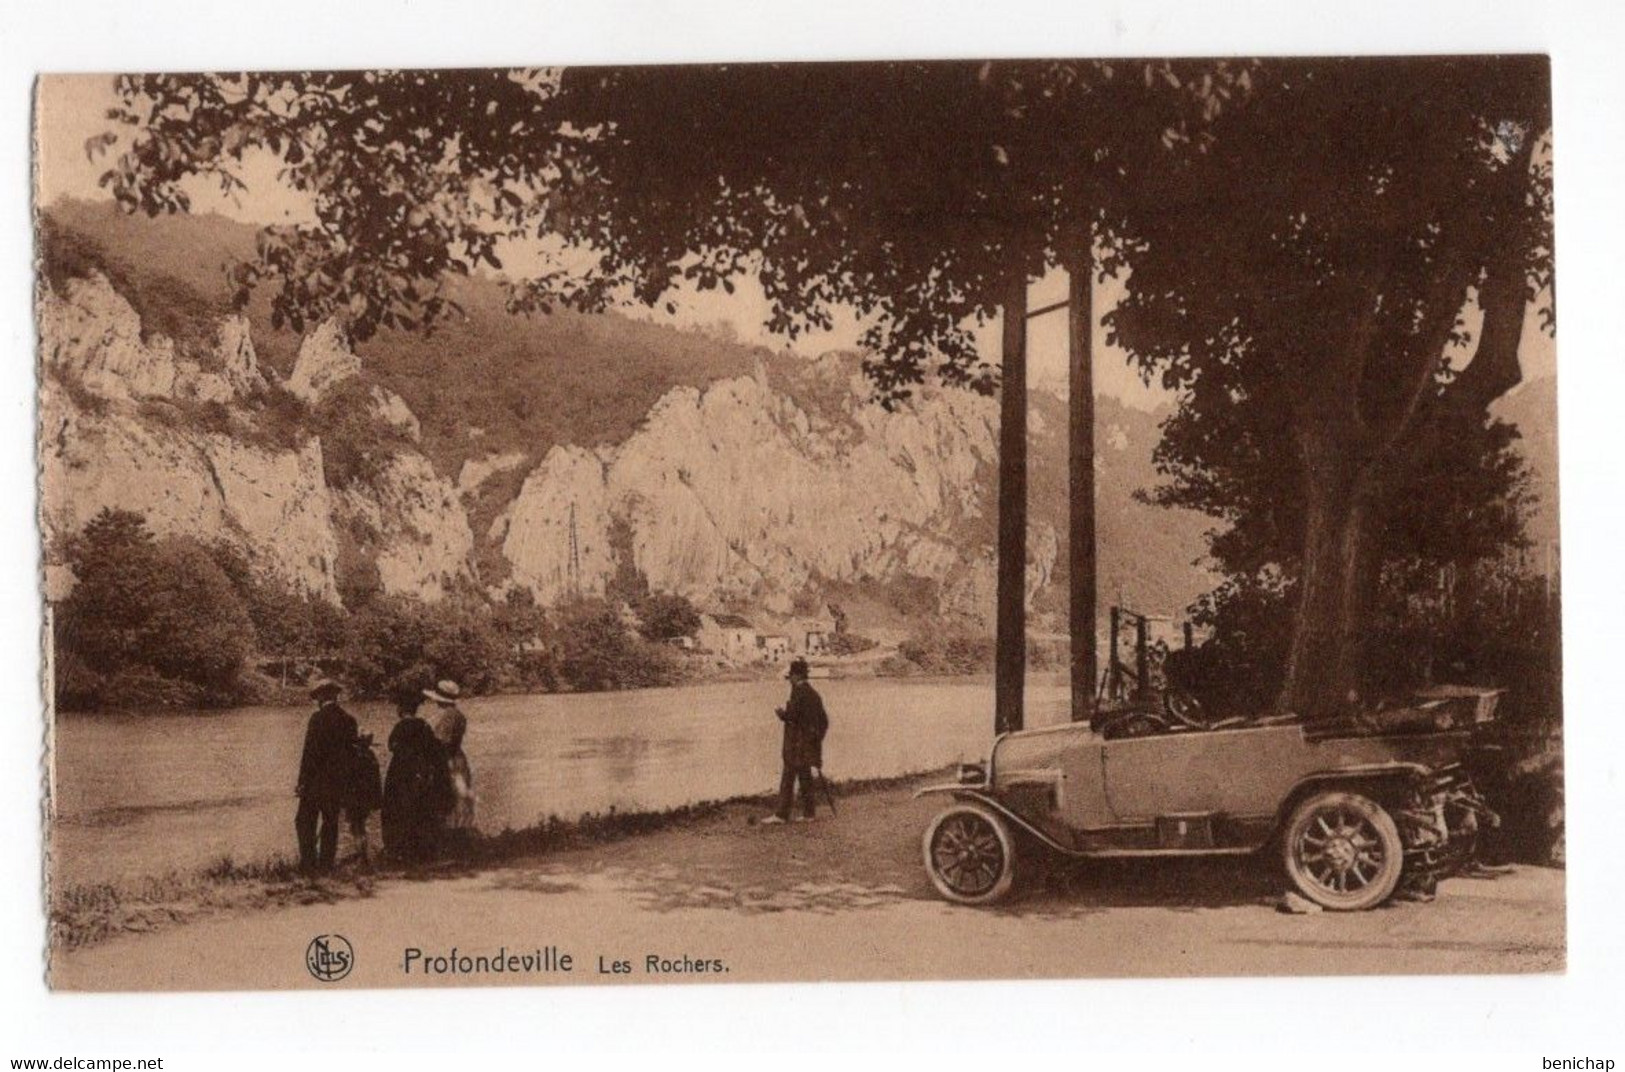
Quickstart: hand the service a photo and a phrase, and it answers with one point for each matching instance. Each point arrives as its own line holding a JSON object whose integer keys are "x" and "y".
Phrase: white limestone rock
{"x": 90, "y": 333}
{"x": 325, "y": 360}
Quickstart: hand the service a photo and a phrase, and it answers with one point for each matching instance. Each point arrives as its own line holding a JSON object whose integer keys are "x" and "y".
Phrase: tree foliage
{"x": 395, "y": 639}
{"x": 596, "y": 650}
{"x": 1305, "y": 240}
{"x": 667, "y": 616}
{"x": 911, "y": 192}
{"x": 148, "y": 620}
{"x": 1336, "y": 330}
{"x": 172, "y": 622}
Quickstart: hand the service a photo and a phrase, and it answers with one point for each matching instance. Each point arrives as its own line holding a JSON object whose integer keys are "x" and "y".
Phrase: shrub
{"x": 948, "y": 650}
{"x": 627, "y": 584}
{"x": 83, "y": 398}
{"x": 167, "y": 622}
{"x": 666, "y": 616}
{"x": 197, "y": 628}
{"x": 133, "y": 687}
{"x": 848, "y": 644}
{"x": 394, "y": 639}
{"x": 357, "y": 443}
{"x": 283, "y": 419}
{"x": 166, "y": 305}
{"x": 596, "y": 651}
{"x": 77, "y": 686}
{"x": 149, "y": 621}
{"x": 286, "y": 620}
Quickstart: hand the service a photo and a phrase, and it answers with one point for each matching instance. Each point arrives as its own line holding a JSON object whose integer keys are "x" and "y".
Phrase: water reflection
{"x": 622, "y": 756}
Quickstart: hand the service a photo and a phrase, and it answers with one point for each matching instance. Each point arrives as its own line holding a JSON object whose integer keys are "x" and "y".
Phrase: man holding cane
{"x": 805, "y": 724}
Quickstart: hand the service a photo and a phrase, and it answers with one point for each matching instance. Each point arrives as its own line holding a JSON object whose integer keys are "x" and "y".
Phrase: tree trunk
{"x": 1346, "y": 452}
{"x": 1336, "y": 588}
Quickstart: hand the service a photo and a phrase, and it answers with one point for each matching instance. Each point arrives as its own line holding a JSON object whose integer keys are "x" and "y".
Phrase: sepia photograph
{"x": 808, "y": 522}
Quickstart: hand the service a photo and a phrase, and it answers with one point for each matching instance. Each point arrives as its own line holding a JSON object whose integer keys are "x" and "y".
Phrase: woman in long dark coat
{"x": 417, "y": 788}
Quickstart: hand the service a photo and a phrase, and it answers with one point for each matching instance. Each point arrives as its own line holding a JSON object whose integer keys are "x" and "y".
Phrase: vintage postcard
{"x": 837, "y": 521}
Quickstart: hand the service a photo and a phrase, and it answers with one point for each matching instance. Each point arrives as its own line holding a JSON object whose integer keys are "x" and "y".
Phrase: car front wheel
{"x": 1343, "y": 851}
{"x": 970, "y": 854}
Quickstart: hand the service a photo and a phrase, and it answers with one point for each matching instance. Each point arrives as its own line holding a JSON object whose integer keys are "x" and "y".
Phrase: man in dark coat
{"x": 805, "y": 723}
{"x": 325, "y": 772}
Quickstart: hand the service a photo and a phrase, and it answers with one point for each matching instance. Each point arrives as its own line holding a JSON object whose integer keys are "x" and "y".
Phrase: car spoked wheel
{"x": 970, "y": 854}
{"x": 1343, "y": 851}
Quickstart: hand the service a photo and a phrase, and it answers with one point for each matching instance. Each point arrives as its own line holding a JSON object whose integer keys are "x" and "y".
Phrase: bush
{"x": 948, "y": 650}
{"x": 197, "y": 628}
{"x": 596, "y": 651}
{"x": 283, "y": 419}
{"x": 1238, "y": 672}
{"x": 848, "y": 644}
{"x": 665, "y": 616}
{"x": 286, "y": 621}
{"x": 166, "y": 305}
{"x": 149, "y": 621}
{"x": 133, "y": 687}
{"x": 897, "y": 666}
{"x": 357, "y": 443}
{"x": 1478, "y": 624}
{"x": 83, "y": 398}
{"x": 395, "y": 639}
{"x": 77, "y": 686}
{"x": 174, "y": 622}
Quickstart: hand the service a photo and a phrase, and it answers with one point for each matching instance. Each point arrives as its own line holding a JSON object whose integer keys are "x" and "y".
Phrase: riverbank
{"x": 85, "y": 914}
{"x": 843, "y": 898}
{"x": 139, "y": 797}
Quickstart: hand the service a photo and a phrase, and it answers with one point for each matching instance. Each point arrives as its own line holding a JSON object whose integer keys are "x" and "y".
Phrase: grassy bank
{"x": 82, "y": 915}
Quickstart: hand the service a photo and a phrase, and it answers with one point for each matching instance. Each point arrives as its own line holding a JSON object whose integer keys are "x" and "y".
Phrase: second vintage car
{"x": 1353, "y": 809}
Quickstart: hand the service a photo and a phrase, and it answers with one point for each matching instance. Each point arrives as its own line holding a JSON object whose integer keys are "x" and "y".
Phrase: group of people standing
{"x": 426, "y": 797}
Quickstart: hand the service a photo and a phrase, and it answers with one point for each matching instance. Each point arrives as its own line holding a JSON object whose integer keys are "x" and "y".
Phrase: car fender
{"x": 980, "y": 796}
{"x": 947, "y": 787}
{"x": 1369, "y": 772}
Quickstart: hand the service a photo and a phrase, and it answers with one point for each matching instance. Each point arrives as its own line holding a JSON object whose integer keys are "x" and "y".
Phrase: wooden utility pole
{"x": 1010, "y": 661}
{"x": 1080, "y": 394}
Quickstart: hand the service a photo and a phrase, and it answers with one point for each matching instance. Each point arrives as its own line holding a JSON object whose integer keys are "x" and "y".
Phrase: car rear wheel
{"x": 1343, "y": 851}
{"x": 970, "y": 854}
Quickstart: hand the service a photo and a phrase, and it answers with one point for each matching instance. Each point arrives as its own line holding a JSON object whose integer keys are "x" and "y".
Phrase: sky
{"x": 71, "y": 109}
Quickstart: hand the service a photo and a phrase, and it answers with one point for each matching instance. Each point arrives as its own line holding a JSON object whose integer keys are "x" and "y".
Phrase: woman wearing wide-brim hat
{"x": 450, "y": 726}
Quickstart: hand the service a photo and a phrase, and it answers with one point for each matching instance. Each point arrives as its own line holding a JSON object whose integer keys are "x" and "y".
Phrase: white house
{"x": 729, "y": 636}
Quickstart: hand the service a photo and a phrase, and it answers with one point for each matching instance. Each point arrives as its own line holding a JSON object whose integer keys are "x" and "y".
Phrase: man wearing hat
{"x": 805, "y": 724}
{"x": 325, "y": 770}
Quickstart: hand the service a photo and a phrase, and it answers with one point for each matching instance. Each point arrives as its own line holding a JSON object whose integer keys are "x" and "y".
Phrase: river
{"x": 143, "y": 795}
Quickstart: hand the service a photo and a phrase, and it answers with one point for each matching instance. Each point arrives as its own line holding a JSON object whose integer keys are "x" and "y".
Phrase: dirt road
{"x": 717, "y": 899}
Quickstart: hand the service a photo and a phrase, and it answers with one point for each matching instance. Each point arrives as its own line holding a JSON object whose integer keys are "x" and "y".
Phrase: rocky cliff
{"x": 459, "y": 458}
{"x": 128, "y": 421}
{"x": 730, "y": 474}
{"x": 740, "y": 491}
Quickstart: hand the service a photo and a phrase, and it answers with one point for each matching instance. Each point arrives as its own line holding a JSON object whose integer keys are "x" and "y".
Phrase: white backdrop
{"x": 1505, "y": 1023}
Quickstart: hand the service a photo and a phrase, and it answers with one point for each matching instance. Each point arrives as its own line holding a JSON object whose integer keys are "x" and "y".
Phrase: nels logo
{"x": 329, "y": 957}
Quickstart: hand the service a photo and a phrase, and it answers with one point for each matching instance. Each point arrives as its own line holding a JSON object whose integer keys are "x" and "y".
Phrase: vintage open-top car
{"x": 1353, "y": 808}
